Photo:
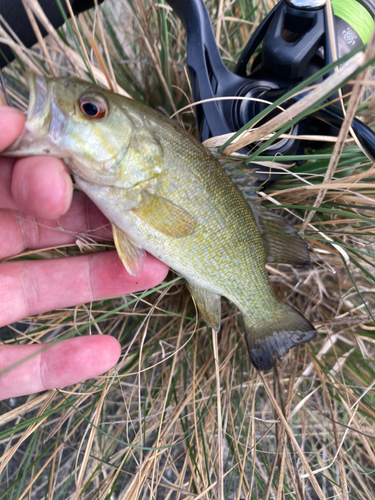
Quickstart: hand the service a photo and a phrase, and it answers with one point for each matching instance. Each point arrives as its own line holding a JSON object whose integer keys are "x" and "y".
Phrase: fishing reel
{"x": 294, "y": 44}
{"x": 291, "y": 44}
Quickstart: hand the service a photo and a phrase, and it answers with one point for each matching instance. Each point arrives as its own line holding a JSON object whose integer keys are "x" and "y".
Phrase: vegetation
{"x": 184, "y": 414}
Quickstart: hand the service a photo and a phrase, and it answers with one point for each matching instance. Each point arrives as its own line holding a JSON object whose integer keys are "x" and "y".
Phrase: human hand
{"x": 34, "y": 192}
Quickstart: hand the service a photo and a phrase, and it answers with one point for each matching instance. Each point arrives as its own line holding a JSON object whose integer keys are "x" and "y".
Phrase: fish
{"x": 166, "y": 194}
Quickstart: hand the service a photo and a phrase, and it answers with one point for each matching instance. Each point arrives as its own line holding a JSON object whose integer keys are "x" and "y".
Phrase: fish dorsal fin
{"x": 208, "y": 304}
{"x": 164, "y": 216}
{"x": 280, "y": 239}
{"x": 131, "y": 256}
{"x": 282, "y": 243}
{"x": 240, "y": 174}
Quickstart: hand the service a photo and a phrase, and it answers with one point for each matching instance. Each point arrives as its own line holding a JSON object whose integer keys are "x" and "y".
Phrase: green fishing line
{"x": 356, "y": 15}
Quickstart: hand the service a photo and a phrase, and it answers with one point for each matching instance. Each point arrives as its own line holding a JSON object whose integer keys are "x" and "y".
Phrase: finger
{"x": 42, "y": 186}
{"x": 48, "y": 366}
{"x": 12, "y": 122}
{"x": 19, "y": 231}
{"x": 39, "y": 185}
{"x": 34, "y": 287}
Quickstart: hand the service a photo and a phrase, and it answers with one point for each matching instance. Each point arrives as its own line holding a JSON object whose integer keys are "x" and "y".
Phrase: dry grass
{"x": 184, "y": 414}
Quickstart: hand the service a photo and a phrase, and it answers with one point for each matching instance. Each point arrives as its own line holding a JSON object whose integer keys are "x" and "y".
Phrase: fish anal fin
{"x": 131, "y": 256}
{"x": 208, "y": 304}
{"x": 164, "y": 216}
{"x": 271, "y": 340}
{"x": 282, "y": 243}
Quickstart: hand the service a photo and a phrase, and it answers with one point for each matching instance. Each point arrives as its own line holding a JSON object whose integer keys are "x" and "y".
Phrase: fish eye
{"x": 93, "y": 107}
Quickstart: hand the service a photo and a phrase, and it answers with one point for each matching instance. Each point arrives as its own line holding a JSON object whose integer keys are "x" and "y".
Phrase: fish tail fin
{"x": 273, "y": 337}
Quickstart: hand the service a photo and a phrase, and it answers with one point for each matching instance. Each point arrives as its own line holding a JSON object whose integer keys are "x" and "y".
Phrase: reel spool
{"x": 354, "y": 21}
{"x": 295, "y": 44}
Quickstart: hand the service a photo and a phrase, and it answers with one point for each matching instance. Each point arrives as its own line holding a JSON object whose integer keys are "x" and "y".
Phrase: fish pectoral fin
{"x": 164, "y": 216}
{"x": 132, "y": 257}
{"x": 281, "y": 242}
{"x": 270, "y": 340}
{"x": 209, "y": 305}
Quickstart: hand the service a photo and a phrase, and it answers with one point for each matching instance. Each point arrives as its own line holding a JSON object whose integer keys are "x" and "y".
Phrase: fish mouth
{"x": 38, "y": 97}
{"x": 39, "y": 113}
{"x": 35, "y": 138}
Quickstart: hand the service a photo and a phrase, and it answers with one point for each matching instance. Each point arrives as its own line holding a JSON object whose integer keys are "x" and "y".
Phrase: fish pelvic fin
{"x": 131, "y": 256}
{"x": 271, "y": 340}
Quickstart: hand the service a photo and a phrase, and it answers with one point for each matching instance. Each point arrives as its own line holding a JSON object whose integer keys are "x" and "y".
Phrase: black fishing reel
{"x": 293, "y": 43}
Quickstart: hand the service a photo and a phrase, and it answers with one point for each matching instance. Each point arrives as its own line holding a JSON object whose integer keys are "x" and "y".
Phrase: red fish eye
{"x": 93, "y": 108}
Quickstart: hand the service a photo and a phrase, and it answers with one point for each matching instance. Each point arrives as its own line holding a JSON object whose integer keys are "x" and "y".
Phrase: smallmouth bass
{"x": 166, "y": 194}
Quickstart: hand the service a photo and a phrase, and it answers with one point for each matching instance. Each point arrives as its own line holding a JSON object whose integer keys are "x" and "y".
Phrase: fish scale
{"x": 166, "y": 194}
{"x": 226, "y": 238}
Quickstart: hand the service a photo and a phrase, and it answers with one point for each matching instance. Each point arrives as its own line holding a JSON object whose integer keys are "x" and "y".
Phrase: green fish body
{"x": 166, "y": 194}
